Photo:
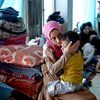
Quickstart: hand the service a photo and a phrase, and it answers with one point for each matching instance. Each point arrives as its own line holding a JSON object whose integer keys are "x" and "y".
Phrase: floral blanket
{"x": 20, "y": 68}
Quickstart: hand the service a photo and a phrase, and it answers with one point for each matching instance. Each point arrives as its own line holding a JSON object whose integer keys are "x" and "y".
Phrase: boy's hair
{"x": 71, "y": 35}
{"x": 93, "y": 40}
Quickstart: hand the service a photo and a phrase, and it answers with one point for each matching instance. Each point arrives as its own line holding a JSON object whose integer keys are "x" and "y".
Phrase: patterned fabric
{"x": 5, "y": 35}
{"x": 6, "y": 50}
{"x": 27, "y": 57}
{"x": 22, "y": 78}
{"x": 15, "y": 28}
{"x": 29, "y": 87}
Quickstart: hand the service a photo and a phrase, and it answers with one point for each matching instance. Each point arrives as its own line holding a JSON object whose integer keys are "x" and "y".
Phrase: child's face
{"x": 64, "y": 44}
{"x": 55, "y": 37}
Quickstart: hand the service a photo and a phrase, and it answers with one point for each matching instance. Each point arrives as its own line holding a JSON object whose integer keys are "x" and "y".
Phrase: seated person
{"x": 71, "y": 78}
{"x": 89, "y": 52}
{"x": 92, "y": 32}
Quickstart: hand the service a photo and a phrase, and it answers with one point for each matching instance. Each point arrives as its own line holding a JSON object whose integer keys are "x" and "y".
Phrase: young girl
{"x": 52, "y": 32}
{"x": 89, "y": 52}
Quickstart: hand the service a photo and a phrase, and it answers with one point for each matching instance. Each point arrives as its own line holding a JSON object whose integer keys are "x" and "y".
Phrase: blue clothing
{"x": 9, "y": 14}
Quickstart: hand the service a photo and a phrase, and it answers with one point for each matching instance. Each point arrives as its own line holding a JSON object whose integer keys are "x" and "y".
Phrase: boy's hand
{"x": 73, "y": 48}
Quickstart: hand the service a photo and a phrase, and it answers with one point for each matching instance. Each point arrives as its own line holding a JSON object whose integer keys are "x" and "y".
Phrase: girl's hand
{"x": 73, "y": 48}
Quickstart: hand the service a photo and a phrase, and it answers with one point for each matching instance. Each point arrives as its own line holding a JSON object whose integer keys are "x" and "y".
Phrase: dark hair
{"x": 71, "y": 35}
{"x": 56, "y": 17}
{"x": 83, "y": 26}
{"x": 93, "y": 40}
{"x": 89, "y": 24}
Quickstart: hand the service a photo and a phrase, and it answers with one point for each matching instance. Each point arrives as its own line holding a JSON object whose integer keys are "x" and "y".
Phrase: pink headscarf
{"x": 48, "y": 27}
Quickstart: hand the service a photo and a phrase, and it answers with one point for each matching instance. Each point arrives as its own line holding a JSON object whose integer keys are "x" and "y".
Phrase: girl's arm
{"x": 53, "y": 68}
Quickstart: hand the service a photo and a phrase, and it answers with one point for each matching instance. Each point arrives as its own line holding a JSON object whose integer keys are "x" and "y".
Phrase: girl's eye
{"x": 53, "y": 38}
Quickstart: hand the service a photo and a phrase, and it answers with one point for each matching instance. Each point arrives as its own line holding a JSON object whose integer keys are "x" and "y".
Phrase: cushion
{"x": 8, "y": 49}
{"x": 83, "y": 94}
{"x": 27, "y": 57}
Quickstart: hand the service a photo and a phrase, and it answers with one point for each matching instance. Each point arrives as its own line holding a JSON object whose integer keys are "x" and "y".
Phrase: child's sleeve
{"x": 53, "y": 68}
{"x": 90, "y": 56}
{"x": 45, "y": 46}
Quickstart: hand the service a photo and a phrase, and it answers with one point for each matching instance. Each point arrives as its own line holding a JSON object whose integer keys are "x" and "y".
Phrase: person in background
{"x": 91, "y": 60}
{"x": 84, "y": 35}
{"x": 89, "y": 49}
{"x": 91, "y": 30}
{"x": 71, "y": 79}
{"x": 55, "y": 16}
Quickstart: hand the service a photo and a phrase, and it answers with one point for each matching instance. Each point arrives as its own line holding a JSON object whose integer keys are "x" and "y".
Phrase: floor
{"x": 95, "y": 89}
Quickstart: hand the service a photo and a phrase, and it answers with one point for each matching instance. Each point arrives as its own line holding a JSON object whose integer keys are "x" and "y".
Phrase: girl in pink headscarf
{"x": 52, "y": 49}
{"x": 52, "y": 33}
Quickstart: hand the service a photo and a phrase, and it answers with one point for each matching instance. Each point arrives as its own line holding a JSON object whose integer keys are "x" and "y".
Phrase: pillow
{"x": 8, "y": 49}
{"x": 27, "y": 57}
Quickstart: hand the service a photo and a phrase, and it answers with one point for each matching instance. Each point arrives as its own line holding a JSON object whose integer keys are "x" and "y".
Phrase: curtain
{"x": 32, "y": 13}
{"x": 83, "y": 11}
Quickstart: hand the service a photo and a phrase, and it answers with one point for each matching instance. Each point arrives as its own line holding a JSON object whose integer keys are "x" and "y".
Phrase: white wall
{"x": 48, "y": 8}
{"x": 65, "y": 8}
{"x": 61, "y": 5}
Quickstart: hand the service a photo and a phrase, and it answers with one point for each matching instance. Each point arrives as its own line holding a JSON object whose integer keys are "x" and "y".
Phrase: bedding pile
{"x": 12, "y": 27}
{"x": 20, "y": 68}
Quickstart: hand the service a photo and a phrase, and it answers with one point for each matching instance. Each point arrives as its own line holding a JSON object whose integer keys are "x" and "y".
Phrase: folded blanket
{"x": 29, "y": 87}
{"x": 9, "y": 10}
{"x": 22, "y": 71}
{"x": 8, "y": 17}
{"x": 4, "y": 34}
{"x": 9, "y": 14}
{"x": 15, "y": 28}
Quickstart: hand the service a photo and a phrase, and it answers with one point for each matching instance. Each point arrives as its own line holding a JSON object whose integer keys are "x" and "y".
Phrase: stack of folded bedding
{"x": 11, "y": 25}
{"x": 20, "y": 68}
